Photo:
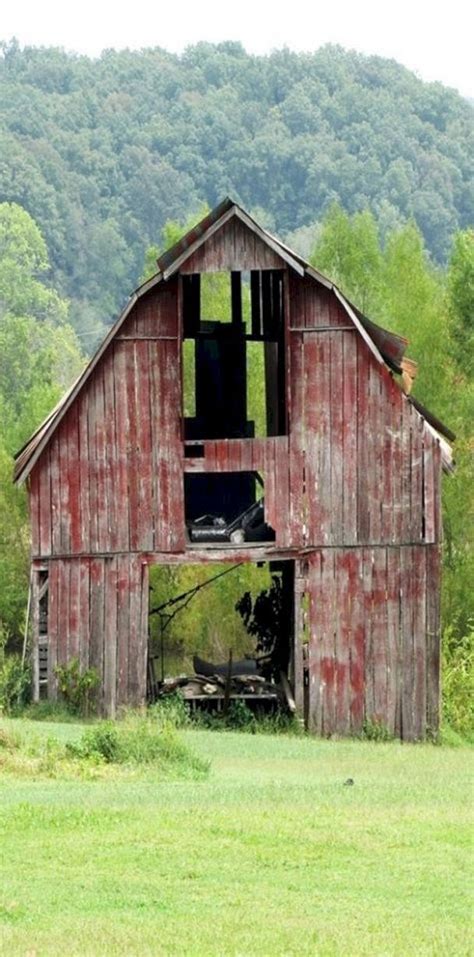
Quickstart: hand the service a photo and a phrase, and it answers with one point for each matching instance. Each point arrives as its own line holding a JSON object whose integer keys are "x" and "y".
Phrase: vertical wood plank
{"x": 315, "y": 628}
{"x": 123, "y": 629}
{"x": 54, "y": 627}
{"x": 84, "y": 471}
{"x": 143, "y": 406}
{"x": 34, "y": 509}
{"x": 408, "y": 658}
{"x": 299, "y": 637}
{"x": 121, "y": 455}
{"x": 363, "y": 430}
{"x": 73, "y": 479}
{"x": 327, "y": 599}
{"x": 114, "y": 503}
{"x": 386, "y": 488}
{"x": 97, "y": 624}
{"x": 63, "y": 613}
{"x": 84, "y": 613}
{"x": 110, "y": 638}
{"x": 44, "y": 503}
{"x": 416, "y": 476}
{"x": 429, "y": 483}
{"x": 379, "y": 633}
{"x": 336, "y": 432}
{"x": 406, "y": 472}
{"x": 358, "y": 634}
{"x": 433, "y": 637}
{"x": 392, "y": 639}
{"x": 343, "y": 632}
{"x": 419, "y": 641}
{"x": 73, "y": 622}
{"x": 397, "y": 464}
{"x": 296, "y": 441}
{"x": 369, "y": 675}
{"x": 313, "y": 358}
{"x": 64, "y": 509}
{"x": 93, "y": 466}
{"x": 350, "y": 412}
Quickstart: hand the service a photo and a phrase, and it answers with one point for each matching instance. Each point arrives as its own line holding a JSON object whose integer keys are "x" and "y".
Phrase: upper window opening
{"x": 233, "y": 355}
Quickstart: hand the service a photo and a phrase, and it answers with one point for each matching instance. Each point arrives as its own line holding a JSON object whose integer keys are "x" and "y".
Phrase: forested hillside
{"x": 102, "y": 152}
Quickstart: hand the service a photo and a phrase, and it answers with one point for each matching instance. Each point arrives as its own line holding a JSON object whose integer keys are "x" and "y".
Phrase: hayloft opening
{"x": 221, "y": 628}
{"x": 225, "y": 508}
{"x": 233, "y": 355}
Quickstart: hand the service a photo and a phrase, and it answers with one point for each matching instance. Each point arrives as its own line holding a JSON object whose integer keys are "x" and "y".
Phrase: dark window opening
{"x": 225, "y": 507}
{"x": 233, "y": 355}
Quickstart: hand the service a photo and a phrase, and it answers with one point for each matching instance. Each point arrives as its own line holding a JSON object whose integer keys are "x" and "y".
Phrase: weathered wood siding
{"x": 357, "y": 467}
{"x": 233, "y": 247}
{"x": 97, "y": 613}
{"x": 364, "y": 468}
{"x": 352, "y": 491}
{"x": 373, "y": 639}
{"x": 111, "y": 479}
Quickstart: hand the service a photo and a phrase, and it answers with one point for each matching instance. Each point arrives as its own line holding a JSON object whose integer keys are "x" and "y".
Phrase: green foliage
{"x": 48, "y": 710}
{"x": 139, "y": 740}
{"x": 458, "y": 682}
{"x": 39, "y": 357}
{"x": 77, "y": 686}
{"x": 170, "y": 710}
{"x": 460, "y": 289}
{"x": 209, "y": 624}
{"x": 348, "y": 249}
{"x": 239, "y": 717}
{"x": 266, "y": 618}
{"x": 103, "y": 152}
{"x": 374, "y": 730}
{"x": 15, "y": 681}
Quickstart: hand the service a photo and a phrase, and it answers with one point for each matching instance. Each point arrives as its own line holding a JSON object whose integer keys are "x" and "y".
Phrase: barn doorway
{"x": 219, "y": 626}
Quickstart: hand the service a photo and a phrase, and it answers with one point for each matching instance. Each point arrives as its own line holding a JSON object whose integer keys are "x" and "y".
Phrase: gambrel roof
{"x": 387, "y": 347}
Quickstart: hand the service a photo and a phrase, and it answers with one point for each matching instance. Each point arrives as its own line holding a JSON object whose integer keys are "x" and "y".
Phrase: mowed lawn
{"x": 270, "y": 855}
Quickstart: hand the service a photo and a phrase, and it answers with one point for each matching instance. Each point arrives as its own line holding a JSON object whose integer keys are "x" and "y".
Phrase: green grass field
{"x": 269, "y": 855}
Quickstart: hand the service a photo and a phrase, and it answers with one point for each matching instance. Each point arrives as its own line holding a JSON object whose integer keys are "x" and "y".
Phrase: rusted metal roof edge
{"x": 433, "y": 420}
{"x": 355, "y": 319}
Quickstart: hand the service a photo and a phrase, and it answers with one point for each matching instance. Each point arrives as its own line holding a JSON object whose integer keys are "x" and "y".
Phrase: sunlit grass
{"x": 272, "y": 854}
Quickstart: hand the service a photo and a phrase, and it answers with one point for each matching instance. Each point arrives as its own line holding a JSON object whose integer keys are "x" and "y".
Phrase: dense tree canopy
{"x": 103, "y": 152}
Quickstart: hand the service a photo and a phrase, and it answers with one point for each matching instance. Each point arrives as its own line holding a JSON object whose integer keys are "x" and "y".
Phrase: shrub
{"x": 138, "y": 740}
{"x": 374, "y": 729}
{"x": 458, "y": 682}
{"x": 77, "y": 687}
{"x": 15, "y": 680}
{"x": 48, "y": 710}
{"x": 170, "y": 710}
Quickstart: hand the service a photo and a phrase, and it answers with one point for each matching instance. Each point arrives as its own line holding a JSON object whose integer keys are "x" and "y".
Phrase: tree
{"x": 460, "y": 292}
{"x": 348, "y": 250}
{"x": 39, "y": 356}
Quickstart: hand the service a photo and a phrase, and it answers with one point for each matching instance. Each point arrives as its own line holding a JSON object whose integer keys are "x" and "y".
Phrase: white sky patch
{"x": 432, "y": 38}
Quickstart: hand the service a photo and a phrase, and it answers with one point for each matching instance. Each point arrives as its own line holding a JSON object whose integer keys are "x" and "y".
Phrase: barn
{"x": 338, "y": 487}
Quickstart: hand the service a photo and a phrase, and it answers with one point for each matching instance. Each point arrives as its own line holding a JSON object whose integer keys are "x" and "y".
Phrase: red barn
{"x": 119, "y": 478}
